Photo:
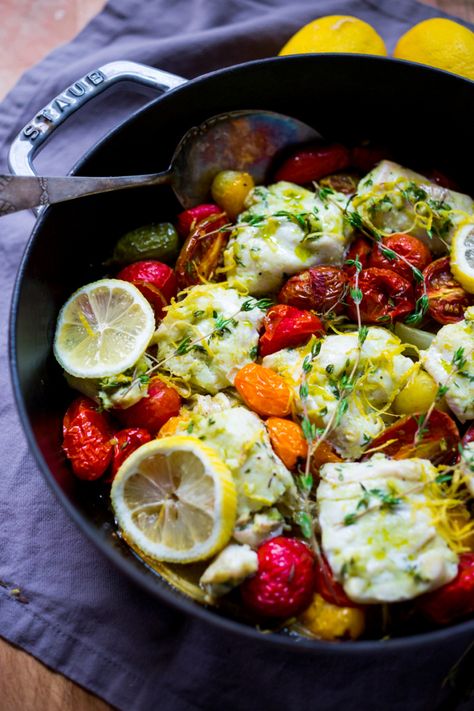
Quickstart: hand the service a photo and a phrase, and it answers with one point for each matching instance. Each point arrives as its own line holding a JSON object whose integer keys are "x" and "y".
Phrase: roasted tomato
{"x": 469, "y": 436}
{"x": 321, "y": 289}
{"x": 364, "y": 158}
{"x": 263, "y": 391}
{"x": 151, "y": 412}
{"x": 287, "y": 440}
{"x": 124, "y": 443}
{"x": 87, "y": 439}
{"x": 328, "y": 587}
{"x": 323, "y": 454}
{"x": 187, "y": 220}
{"x": 447, "y": 299}
{"x": 386, "y": 296}
{"x": 360, "y": 250}
{"x": 313, "y": 163}
{"x": 287, "y": 327}
{"x": 341, "y": 182}
{"x": 438, "y": 439}
{"x": 202, "y": 252}
{"x": 411, "y": 248}
{"x": 453, "y": 600}
{"x": 155, "y": 280}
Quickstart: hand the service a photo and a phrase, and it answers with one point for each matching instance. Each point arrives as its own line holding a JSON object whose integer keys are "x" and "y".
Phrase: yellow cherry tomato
{"x": 417, "y": 395}
{"x": 229, "y": 190}
{"x": 328, "y": 621}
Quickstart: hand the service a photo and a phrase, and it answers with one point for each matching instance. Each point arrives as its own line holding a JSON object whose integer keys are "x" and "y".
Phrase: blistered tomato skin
{"x": 124, "y": 443}
{"x": 187, "y": 220}
{"x": 287, "y": 327}
{"x": 284, "y": 583}
{"x": 313, "y": 163}
{"x": 411, "y": 248}
{"x": 87, "y": 436}
{"x": 386, "y": 296}
{"x": 287, "y": 440}
{"x": 447, "y": 299}
{"x": 155, "y": 280}
{"x": 454, "y": 600}
{"x": 263, "y": 391}
{"x": 202, "y": 252}
{"x": 153, "y": 410}
{"x": 321, "y": 289}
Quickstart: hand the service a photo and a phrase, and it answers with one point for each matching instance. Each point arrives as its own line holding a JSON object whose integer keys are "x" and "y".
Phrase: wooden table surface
{"x": 28, "y": 31}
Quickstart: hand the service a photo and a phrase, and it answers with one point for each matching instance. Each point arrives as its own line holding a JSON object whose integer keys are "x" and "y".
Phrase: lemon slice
{"x": 103, "y": 329}
{"x": 175, "y": 500}
{"x": 462, "y": 256}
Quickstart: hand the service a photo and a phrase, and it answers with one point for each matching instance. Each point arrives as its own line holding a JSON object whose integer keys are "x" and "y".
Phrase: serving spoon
{"x": 238, "y": 140}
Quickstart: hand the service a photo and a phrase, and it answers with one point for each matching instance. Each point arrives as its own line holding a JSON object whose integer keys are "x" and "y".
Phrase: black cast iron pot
{"x": 424, "y": 115}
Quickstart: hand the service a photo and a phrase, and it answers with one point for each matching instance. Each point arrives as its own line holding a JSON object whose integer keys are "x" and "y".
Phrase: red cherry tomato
{"x": 202, "y": 252}
{"x": 188, "y": 219}
{"x": 155, "y": 280}
{"x": 447, "y": 299}
{"x": 386, "y": 296}
{"x": 87, "y": 439}
{"x": 152, "y": 411}
{"x": 364, "y": 158}
{"x": 360, "y": 250}
{"x": 469, "y": 436}
{"x": 287, "y": 327}
{"x": 124, "y": 443}
{"x": 453, "y": 600}
{"x": 313, "y": 163}
{"x": 406, "y": 246}
{"x": 439, "y": 440}
{"x": 319, "y": 288}
{"x": 329, "y": 588}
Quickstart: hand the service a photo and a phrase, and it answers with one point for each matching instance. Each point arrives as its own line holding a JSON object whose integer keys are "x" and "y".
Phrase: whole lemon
{"x": 336, "y": 33}
{"x": 440, "y": 43}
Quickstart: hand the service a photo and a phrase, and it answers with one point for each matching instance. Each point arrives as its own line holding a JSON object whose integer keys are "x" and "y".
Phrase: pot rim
{"x": 165, "y": 592}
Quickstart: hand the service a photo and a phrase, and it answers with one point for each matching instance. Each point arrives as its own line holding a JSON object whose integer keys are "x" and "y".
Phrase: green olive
{"x": 156, "y": 241}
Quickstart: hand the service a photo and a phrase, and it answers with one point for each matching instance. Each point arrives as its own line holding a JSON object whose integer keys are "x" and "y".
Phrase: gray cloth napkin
{"x": 59, "y": 598}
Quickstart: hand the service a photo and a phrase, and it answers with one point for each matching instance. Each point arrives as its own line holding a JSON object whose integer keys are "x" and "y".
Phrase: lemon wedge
{"x": 175, "y": 500}
{"x": 103, "y": 329}
{"x": 462, "y": 256}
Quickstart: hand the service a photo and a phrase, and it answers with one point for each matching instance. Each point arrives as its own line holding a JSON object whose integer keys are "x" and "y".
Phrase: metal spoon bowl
{"x": 239, "y": 140}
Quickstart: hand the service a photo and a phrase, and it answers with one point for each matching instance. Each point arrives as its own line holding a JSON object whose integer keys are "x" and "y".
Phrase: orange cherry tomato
{"x": 151, "y": 412}
{"x": 263, "y": 391}
{"x": 323, "y": 454}
{"x": 386, "y": 296}
{"x": 406, "y": 246}
{"x": 202, "y": 251}
{"x": 287, "y": 440}
{"x": 287, "y": 327}
{"x": 360, "y": 250}
{"x": 447, "y": 299}
{"x": 319, "y": 288}
{"x": 439, "y": 440}
{"x": 87, "y": 439}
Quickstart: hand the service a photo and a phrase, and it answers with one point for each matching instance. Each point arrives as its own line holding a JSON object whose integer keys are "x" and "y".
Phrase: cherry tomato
{"x": 287, "y": 440}
{"x": 87, "y": 439}
{"x": 406, "y": 246}
{"x": 386, "y": 296}
{"x": 152, "y": 411}
{"x": 360, "y": 250}
{"x": 287, "y": 327}
{"x": 469, "y": 436}
{"x": 124, "y": 443}
{"x": 320, "y": 288}
{"x": 447, "y": 299}
{"x": 364, "y": 158}
{"x": 341, "y": 182}
{"x": 453, "y": 600}
{"x": 328, "y": 587}
{"x": 155, "y": 280}
{"x": 313, "y": 163}
{"x": 202, "y": 252}
{"x": 187, "y": 220}
{"x": 323, "y": 454}
{"x": 439, "y": 439}
{"x": 263, "y": 391}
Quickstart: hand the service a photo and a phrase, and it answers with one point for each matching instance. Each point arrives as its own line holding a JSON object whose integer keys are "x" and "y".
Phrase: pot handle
{"x": 37, "y": 131}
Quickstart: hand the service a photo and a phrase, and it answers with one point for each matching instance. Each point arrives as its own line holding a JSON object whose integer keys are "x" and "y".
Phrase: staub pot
{"x": 418, "y": 112}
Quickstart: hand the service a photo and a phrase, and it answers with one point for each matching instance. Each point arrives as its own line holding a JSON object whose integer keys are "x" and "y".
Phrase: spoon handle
{"x": 19, "y": 192}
